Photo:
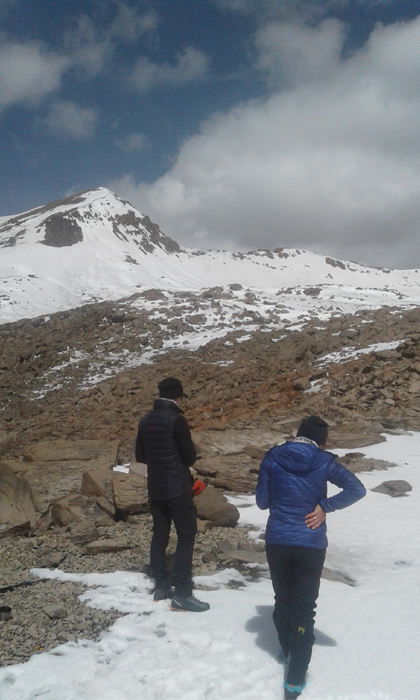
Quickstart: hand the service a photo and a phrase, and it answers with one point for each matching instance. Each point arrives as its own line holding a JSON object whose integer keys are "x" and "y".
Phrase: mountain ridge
{"x": 94, "y": 246}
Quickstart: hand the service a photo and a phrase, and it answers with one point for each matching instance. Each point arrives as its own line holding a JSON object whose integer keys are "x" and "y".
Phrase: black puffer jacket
{"x": 164, "y": 444}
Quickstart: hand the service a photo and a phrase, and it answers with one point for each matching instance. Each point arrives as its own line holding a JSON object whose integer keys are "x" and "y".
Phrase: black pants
{"x": 295, "y": 575}
{"x": 181, "y": 511}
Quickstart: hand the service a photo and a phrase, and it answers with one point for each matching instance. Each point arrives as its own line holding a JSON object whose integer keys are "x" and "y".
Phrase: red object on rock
{"x": 197, "y": 487}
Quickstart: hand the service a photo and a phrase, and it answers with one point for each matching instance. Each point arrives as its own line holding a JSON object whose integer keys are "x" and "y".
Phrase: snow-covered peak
{"x": 94, "y": 246}
{"x": 97, "y": 213}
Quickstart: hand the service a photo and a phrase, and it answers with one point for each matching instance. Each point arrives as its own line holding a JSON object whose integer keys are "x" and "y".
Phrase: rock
{"x": 64, "y": 513}
{"x": 106, "y": 506}
{"x": 393, "y": 488}
{"x": 97, "y": 482}
{"x": 19, "y": 468}
{"x": 212, "y": 505}
{"x": 105, "y": 522}
{"x": 243, "y": 557}
{"x": 138, "y": 468}
{"x": 84, "y": 532}
{"x": 55, "y": 612}
{"x": 130, "y": 493}
{"x": 78, "y": 450}
{"x": 56, "y": 558}
{"x": 254, "y": 452}
{"x": 17, "y": 511}
{"x": 102, "y": 546}
{"x": 203, "y": 525}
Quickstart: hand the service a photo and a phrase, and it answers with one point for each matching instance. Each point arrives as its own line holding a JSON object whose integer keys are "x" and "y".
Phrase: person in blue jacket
{"x": 292, "y": 483}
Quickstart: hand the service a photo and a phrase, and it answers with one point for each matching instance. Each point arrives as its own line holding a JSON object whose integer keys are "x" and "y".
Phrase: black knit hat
{"x": 313, "y": 428}
{"x": 170, "y": 388}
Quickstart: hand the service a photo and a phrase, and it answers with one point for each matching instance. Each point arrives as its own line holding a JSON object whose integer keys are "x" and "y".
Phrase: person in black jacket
{"x": 164, "y": 443}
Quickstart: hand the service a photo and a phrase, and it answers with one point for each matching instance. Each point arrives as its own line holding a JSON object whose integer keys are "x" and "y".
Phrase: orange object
{"x": 197, "y": 487}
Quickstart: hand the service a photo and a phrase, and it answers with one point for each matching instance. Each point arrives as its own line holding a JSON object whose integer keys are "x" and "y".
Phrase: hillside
{"x": 94, "y": 247}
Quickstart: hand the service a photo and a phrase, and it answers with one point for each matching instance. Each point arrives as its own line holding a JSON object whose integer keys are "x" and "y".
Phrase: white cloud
{"x": 294, "y": 54}
{"x": 132, "y": 142}
{"x": 69, "y": 119}
{"x": 331, "y": 163}
{"x": 28, "y": 72}
{"x": 129, "y": 24}
{"x": 191, "y": 65}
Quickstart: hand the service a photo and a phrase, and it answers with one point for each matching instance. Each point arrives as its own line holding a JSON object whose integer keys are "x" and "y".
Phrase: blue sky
{"x": 232, "y": 123}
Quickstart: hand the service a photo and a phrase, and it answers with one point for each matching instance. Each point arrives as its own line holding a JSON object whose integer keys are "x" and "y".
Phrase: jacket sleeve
{"x": 139, "y": 451}
{"x": 352, "y": 489}
{"x": 184, "y": 441}
{"x": 262, "y": 491}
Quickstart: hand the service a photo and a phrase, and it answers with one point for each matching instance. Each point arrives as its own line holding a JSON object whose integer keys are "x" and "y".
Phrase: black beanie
{"x": 170, "y": 388}
{"x": 313, "y": 428}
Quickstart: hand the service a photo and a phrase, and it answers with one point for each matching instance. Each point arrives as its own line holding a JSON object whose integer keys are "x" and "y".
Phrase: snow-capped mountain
{"x": 94, "y": 246}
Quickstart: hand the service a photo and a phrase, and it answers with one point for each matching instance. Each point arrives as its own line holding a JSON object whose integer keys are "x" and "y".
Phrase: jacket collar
{"x": 167, "y": 403}
{"x": 306, "y": 440}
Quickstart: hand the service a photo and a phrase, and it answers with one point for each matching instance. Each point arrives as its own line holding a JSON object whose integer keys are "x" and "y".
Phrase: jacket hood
{"x": 297, "y": 457}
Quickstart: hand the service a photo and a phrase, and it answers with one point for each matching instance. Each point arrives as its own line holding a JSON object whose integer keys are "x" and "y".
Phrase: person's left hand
{"x": 315, "y": 519}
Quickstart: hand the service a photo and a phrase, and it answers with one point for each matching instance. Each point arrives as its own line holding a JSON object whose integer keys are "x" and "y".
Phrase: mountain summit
{"x": 94, "y": 246}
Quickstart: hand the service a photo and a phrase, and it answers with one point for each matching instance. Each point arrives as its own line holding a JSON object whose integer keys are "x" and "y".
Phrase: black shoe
{"x": 191, "y": 604}
{"x": 163, "y": 594}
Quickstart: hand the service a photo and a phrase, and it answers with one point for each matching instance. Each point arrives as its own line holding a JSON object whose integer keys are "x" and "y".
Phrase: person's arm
{"x": 352, "y": 489}
{"x": 262, "y": 491}
{"x": 139, "y": 451}
{"x": 184, "y": 441}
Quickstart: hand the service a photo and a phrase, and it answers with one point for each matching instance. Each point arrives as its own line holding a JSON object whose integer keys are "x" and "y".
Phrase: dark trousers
{"x": 181, "y": 511}
{"x": 295, "y": 575}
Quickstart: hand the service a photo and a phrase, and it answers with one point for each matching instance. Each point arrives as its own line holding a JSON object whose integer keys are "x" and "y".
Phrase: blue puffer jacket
{"x": 292, "y": 481}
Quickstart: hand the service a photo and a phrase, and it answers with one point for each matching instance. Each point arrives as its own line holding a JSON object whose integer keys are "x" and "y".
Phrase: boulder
{"x": 97, "y": 482}
{"x": 212, "y": 505}
{"x": 394, "y": 488}
{"x": 17, "y": 511}
{"x": 130, "y": 494}
{"x": 74, "y": 508}
{"x": 82, "y": 533}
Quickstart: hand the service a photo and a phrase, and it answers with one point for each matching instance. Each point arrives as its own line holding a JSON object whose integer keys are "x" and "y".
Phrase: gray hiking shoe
{"x": 163, "y": 593}
{"x": 191, "y": 604}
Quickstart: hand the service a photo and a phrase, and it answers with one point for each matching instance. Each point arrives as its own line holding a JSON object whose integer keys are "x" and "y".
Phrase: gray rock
{"x": 82, "y": 533}
{"x": 55, "y": 612}
{"x": 393, "y": 488}
{"x": 212, "y": 505}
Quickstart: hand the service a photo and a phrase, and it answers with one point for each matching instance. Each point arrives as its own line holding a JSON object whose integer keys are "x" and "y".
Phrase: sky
{"x": 234, "y": 124}
{"x": 367, "y": 645}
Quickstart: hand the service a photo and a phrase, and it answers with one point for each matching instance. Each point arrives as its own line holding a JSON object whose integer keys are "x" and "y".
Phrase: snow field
{"x": 368, "y": 640}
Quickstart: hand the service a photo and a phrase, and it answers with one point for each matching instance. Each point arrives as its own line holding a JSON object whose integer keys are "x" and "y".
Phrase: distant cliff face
{"x": 62, "y": 230}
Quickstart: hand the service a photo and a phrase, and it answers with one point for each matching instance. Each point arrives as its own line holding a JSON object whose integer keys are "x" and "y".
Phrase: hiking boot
{"x": 162, "y": 594}
{"x": 191, "y": 604}
{"x": 291, "y": 692}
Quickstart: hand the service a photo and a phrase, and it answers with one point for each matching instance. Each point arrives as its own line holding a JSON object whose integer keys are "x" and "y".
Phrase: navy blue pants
{"x": 295, "y": 575}
{"x": 181, "y": 511}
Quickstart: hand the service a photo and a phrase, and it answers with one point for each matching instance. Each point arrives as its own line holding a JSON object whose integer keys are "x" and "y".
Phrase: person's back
{"x": 292, "y": 483}
{"x": 164, "y": 443}
{"x": 167, "y": 469}
{"x": 298, "y": 472}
